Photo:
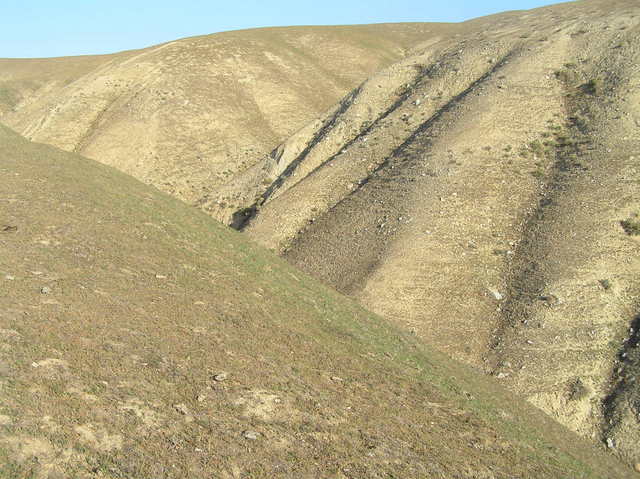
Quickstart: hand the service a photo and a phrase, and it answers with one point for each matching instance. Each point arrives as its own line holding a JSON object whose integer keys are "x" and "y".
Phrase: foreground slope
{"x": 139, "y": 338}
{"x": 484, "y": 193}
{"x": 187, "y": 115}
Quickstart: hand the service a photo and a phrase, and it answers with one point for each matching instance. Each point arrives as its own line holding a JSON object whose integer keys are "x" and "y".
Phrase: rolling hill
{"x": 186, "y": 116}
{"x": 483, "y": 193}
{"x": 140, "y": 338}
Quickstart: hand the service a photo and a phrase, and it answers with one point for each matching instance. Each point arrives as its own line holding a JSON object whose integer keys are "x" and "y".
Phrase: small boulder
{"x": 250, "y": 435}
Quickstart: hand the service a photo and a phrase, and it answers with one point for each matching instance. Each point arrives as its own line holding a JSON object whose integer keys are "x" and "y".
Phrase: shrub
{"x": 631, "y": 227}
{"x": 578, "y": 390}
{"x": 605, "y": 283}
{"x": 593, "y": 86}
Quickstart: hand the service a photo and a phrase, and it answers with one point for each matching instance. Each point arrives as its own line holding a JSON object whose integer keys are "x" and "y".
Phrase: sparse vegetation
{"x": 537, "y": 148}
{"x": 605, "y": 283}
{"x": 568, "y": 76}
{"x": 594, "y": 86}
{"x": 538, "y": 173}
{"x": 578, "y": 390}
{"x": 631, "y": 226}
{"x": 8, "y": 97}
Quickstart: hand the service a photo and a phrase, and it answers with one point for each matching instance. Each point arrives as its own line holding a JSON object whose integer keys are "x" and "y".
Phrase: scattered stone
{"x": 611, "y": 443}
{"x": 51, "y": 364}
{"x": 9, "y": 229}
{"x": 161, "y": 276}
{"x": 497, "y": 295}
{"x": 220, "y": 377}
{"x": 502, "y": 375}
{"x": 181, "y": 408}
{"x": 45, "y": 290}
{"x": 5, "y": 420}
{"x": 201, "y": 397}
{"x": 9, "y": 277}
{"x": 337, "y": 379}
{"x": 251, "y": 435}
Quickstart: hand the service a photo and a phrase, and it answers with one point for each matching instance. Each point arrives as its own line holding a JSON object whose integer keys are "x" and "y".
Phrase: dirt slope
{"x": 187, "y": 115}
{"x": 484, "y": 194}
{"x": 140, "y": 338}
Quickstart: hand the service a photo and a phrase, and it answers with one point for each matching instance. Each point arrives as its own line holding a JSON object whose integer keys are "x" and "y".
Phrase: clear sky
{"x": 44, "y": 28}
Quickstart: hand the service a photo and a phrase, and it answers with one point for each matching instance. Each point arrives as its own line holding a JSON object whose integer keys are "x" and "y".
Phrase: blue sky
{"x": 44, "y": 28}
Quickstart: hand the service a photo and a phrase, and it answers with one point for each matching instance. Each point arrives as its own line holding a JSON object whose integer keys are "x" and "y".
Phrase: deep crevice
{"x": 242, "y": 217}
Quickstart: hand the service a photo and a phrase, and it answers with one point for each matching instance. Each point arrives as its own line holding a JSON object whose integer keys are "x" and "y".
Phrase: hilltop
{"x": 140, "y": 338}
{"x": 188, "y": 115}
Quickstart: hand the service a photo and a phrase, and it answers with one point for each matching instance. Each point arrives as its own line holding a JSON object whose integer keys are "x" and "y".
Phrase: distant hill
{"x": 484, "y": 193}
{"x": 140, "y": 338}
{"x": 186, "y": 116}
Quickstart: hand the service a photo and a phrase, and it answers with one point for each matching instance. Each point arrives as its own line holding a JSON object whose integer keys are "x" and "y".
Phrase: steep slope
{"x": 139, "y": 338}
{"x": 484, "y": 194}
{"x": 187, "y": 115}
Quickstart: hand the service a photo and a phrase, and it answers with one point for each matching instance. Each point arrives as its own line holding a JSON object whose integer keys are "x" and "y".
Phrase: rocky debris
{"x": 9, "y": 229}
{"x": 337, "y": 379}
{"x": 45, "y": 290}
{"x": 9, "y": 277}
{"x": 250, "y": 435}
{"x": 610, "y": 443}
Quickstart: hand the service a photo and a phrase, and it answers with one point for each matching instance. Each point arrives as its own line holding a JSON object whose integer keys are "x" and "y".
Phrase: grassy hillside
{"x": 483, "y": 193}
{"x": 139, "y": 338}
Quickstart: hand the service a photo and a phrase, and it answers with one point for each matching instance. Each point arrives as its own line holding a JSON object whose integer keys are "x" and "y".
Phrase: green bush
{"x": 631, "y": 227}
{"x": 593, "y": 86}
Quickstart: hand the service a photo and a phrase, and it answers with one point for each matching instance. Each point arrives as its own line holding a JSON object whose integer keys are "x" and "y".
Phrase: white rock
{"x": 497, "y": 295}
{"x": 220, "y": 377}
{"x": 251, "y": 435}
